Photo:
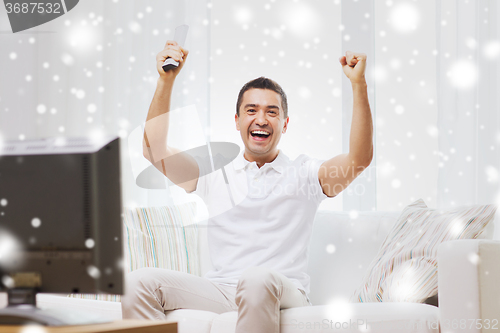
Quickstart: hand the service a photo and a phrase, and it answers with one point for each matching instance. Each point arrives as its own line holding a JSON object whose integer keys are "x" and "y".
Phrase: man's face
{"x": 261, "y": 123}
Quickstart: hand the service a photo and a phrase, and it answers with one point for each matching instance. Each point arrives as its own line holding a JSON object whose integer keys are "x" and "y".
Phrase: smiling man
{"x": 261, "y": 208}
{"x": 262, "y": 119}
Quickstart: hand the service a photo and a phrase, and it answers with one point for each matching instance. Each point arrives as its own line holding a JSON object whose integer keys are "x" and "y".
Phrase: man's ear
{"x": 285, "y": 126}
{"x": 236, "y": 121}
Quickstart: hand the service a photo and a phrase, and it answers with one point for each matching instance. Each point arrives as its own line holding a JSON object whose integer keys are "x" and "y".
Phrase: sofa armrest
{"x": 468, "y": 284}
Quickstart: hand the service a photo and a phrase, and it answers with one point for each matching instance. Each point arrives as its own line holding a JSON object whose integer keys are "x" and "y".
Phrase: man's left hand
{"x": 354, "y": 65}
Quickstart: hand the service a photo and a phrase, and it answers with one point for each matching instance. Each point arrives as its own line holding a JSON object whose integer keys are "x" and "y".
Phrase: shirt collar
{"x": 278, "y": 164}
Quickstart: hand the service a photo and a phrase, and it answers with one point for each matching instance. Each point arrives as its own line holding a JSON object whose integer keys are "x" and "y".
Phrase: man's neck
{"x": 261, "y": 160}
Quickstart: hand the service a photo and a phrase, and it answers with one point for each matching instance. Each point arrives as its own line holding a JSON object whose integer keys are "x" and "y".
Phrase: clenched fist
{"x": 354, "y": 65}
{"x": 174, "y": 51}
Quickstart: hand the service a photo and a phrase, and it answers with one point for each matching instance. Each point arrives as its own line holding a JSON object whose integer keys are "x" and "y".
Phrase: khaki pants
{"x": 258, "y": 298}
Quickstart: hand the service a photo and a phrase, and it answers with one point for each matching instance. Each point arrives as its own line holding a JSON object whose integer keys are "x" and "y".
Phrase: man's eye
{"x": 273, "y": 112}
{"x": 251, "y": 110}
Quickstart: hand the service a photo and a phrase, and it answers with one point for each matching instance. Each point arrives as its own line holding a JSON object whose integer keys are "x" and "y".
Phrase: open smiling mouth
{"x": 260, "y": 135}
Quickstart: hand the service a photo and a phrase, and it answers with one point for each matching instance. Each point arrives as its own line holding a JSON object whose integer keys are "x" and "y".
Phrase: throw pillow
{"x": 405, "y": 268}
{"x": 164, "y": 237}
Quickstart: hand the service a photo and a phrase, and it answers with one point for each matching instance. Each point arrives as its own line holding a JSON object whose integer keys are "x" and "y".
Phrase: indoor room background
{"x": 433, "y": 76}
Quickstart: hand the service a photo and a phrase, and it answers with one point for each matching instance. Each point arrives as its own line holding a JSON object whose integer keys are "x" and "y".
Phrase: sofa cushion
{"x": 163, "y": 237}
{"x": 189, "y": 321}
{"x": 349, "y": 317}
{"x": 405, "y": 268}
{"x": 342, "y": 246}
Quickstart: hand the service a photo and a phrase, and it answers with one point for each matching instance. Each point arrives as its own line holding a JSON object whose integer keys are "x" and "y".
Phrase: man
{"x": 261, "y": 207}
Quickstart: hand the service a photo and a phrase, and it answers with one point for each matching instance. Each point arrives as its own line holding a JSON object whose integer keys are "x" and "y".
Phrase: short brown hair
{"x": 263, "y": 83}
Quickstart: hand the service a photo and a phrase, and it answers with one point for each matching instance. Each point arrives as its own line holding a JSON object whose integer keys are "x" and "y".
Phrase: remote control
{"x": 180, "y": 37}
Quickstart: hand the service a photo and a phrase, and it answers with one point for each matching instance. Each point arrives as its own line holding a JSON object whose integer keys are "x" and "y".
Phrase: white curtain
{"x": 468, "y": 76}
{"x": 435, "y": 103}
{"x": 433, "y": 76}
{"x": 93, "y": 71}
{"x": 361, "y": 195}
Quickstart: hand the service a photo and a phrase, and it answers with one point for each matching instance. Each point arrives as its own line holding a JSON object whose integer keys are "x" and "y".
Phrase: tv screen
{"x": 61, "y": 215}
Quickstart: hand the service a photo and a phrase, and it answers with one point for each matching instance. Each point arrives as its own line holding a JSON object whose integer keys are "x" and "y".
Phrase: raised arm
{"x": 179, "y": 167}
{"x": 338, "y": 172}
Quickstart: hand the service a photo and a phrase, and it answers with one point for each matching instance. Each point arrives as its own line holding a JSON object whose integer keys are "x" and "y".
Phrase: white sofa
{"x": 341, "y": 249}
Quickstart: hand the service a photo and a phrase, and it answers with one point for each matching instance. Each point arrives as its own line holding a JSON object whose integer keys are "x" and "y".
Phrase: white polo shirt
{"x": 264, "y": 216}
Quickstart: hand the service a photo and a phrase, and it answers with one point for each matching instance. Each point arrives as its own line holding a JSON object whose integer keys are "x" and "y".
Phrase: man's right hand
{"x": 174, "y": 51}
{"x": 181, "y": 168}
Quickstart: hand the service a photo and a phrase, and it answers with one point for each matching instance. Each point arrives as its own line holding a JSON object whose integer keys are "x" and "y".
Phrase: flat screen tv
{"x": 60, "y": 223}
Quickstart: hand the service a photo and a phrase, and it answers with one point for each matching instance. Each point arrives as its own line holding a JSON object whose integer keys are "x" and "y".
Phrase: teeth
{"x": 260, "y": 132}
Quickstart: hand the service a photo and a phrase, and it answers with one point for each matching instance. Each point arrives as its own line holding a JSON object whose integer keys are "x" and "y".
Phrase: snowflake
{"x": 463, "y": 74}
{"x": 89, "y": 243}
{"x": 492, "y": 174}
{"x": 432, "y": 130}
{"x": 491, "y": 50}
{"x": 41, "y": 109}
{"x": 80, "y": 94}
{"x": 243, "y": 15}
{"x": 93, "y": 272}
{"x": 330, "y": 248}
{"x": 396, "y": 183}
{"x": 404, "y": 17}
{"x": 301, "y": 19}
{"x": 36, "y": 222}
{"x": 379, "y": 73}
{"x": 67, "y": 59}
{"x": 135, "y": 27}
